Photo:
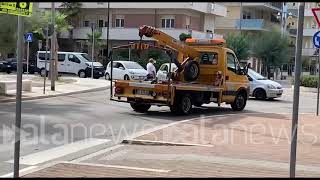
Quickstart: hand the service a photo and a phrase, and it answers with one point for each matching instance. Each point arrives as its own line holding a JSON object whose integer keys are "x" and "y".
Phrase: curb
{"x": 159, "y": 143}
{"x": 56, "y": 95}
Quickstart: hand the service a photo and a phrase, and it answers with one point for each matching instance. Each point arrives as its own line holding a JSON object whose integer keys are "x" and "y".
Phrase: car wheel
{"x": 107, "y": 76}
{"x": 126, "y": 77}
{"x": 239, "y": 102}
{"x": 82, "y": 74}
{"x": 43, "y": 72}
{"x": 138, "y": 107}
{"x": 260, "y": 94}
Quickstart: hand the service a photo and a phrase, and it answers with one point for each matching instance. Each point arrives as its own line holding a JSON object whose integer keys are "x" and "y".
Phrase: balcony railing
{"x": 245, "y": 24}
{"x": 132, "y": 33}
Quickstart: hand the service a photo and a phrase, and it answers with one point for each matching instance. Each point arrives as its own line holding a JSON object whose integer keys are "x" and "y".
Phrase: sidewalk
{"x": 66, "y": 85}
{"x": 239, "y": 145}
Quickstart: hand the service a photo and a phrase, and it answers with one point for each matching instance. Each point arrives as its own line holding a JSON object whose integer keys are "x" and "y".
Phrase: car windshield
{"x": 132, "y": 65}
{"x": 255, "y": 75}
{"x": 86, "y": 57}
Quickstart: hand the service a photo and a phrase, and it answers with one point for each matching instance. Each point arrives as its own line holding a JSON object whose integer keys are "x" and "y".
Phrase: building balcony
{"x": 309, "y": 31}
{"x": 132, "y": 33}
{"x": 308, "y": 51}
{"x": 244, "y": 24}
{"x": 210, "y": 8}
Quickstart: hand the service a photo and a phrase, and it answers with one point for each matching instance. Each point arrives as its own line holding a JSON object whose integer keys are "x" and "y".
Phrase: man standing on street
{"x": 151, "y": 69}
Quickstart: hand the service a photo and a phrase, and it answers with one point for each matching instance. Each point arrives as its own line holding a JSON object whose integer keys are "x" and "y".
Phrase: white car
{"x": 163, "y": 71}
{"x": 125, "y": 70}
{"x": 263, "y": 88}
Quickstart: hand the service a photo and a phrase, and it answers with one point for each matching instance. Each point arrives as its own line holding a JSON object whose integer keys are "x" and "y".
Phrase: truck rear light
{"x": 119, "y": 90}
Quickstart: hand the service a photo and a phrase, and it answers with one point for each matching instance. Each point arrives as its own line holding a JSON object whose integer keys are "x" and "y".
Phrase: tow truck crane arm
{"x": 169, "y": 41}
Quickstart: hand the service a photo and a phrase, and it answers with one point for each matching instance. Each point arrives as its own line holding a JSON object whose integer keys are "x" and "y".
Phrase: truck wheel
{"x": 142, "y": 108}
{"x": 239, "y": 102}
{"x": 191, "y": 71}
{"x": 182, "y": 105}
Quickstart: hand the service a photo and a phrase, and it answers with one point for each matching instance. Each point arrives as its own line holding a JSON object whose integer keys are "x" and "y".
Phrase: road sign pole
{"x": 18, "y": 98}
{"x": 28, "y": 59}
{"x": 295, "y": 109}
{"x": 318, "y": 81}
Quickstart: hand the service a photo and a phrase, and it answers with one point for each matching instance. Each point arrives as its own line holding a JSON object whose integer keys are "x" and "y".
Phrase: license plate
{"x": 100, "y": 72}
{"x": 142, "y": 92}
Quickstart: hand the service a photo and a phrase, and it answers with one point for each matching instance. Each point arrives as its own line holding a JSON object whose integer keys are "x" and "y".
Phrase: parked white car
{"x": 263, "y": 88}
{"x": 126, "y": 70}
{"x": 163, "y": 71}
{"x": 71, "y": 62}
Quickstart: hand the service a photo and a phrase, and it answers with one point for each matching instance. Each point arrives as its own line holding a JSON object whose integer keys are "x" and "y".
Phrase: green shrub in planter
{"x": 308, "y": 81}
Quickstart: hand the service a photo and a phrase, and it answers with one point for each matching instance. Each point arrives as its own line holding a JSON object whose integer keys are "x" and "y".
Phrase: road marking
{"x": 120, "y": 167}
{"x": 60, "y": 151}
{"x": 20, "y": 171}
{"x": 96, "y": 154}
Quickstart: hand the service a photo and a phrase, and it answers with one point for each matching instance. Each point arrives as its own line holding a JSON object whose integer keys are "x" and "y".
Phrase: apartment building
{"x": 125, "y": 19}
{"x": 309, "y": 52}
{"x": 249, "y": 18}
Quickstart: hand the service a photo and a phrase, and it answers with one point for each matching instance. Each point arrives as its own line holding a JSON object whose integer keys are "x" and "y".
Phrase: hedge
{"x": 308, "y": 81}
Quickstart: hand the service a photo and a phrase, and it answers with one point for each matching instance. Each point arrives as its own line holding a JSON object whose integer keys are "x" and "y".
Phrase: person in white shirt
{"x": 151, "y": 69}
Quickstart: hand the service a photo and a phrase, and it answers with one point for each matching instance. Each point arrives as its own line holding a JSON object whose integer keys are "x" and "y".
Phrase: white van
{"x": 72, "y": 63}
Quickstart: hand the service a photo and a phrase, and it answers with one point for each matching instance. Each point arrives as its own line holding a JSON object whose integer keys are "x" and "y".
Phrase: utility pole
{"x": 46, "y": 61}
{"x": 18, "y": 98}
{"x": 108, "y": 32}
{"x": 53, "y": 47}
{"x": 295, "y": 109}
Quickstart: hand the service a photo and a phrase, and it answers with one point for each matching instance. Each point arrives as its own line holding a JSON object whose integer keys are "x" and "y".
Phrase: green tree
{"x": 272, "y": 49}
{"x": 72, "y": 11}
{"x": 98, "y": 42}
{"x": 239, "y": 44}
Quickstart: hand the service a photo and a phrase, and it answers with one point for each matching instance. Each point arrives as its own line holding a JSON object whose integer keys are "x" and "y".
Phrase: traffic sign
{"x": 316, "y": 39}
{"x": 316, "y": 13}
{"x": 28, "y": 37}
{"x": 16, "y": 8}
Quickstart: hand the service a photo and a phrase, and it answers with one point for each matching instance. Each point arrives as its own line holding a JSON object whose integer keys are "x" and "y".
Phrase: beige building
{"x": 125, "y": 19}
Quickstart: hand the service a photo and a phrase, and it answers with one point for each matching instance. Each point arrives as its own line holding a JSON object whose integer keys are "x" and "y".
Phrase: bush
{"x": 308, "y": 81}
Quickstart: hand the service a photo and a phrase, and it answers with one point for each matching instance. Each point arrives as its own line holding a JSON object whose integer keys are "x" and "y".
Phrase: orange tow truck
{"x": 207, "y": 72}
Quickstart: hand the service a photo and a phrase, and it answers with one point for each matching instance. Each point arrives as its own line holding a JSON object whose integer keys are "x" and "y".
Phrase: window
{"x": 231, "y": 61}
{"x": 119, "y": 22}
{"x": 164, "y": 68}
{"x": 293, "y": 4}
{"x": 209, "y": 58}
{"x": 167, "y": 23}
{"x": 292, "y": 23}
{"x": 85, "y": 23}
{"x": 106, "y": 24}
{"x": 61, "y": 57}
{"x": 73, "y": 58}
{"x": 100, "y": 23}
{"x": 43, "y": 55}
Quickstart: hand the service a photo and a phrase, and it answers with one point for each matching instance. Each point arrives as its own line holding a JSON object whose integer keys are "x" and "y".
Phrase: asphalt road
{"x": 53, "y": 128}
